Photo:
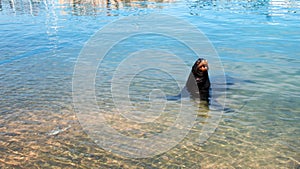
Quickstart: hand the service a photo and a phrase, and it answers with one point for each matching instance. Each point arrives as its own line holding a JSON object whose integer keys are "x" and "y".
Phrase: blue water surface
{"x": 258, "y": 46}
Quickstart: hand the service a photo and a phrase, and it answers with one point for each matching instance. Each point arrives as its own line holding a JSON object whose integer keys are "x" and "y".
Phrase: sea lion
{"x": 198, "y": 83}
{"x": 199, "y": 76}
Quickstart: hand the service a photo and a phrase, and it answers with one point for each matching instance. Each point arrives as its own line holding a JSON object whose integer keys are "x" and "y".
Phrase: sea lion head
{"x": 200, "y": 66}
{"x": 203, "y": 66}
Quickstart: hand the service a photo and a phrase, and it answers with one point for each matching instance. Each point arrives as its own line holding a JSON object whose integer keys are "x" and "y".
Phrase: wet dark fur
{"x": 197, "y": 85}
{"x": 201, "y": 79}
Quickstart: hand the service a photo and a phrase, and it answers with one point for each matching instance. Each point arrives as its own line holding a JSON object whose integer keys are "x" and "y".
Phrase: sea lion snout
{"x": 203, "y": 66}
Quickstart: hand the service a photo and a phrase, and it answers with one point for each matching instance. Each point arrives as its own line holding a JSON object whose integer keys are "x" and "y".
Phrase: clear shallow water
{"x": 256, "y": 41}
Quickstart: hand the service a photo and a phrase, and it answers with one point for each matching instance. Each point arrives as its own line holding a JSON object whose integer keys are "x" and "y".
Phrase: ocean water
{"x": 258, "y": 47}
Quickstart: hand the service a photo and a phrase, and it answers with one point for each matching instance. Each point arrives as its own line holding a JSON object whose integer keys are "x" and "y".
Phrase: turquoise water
{"x": 258, "y": 45}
